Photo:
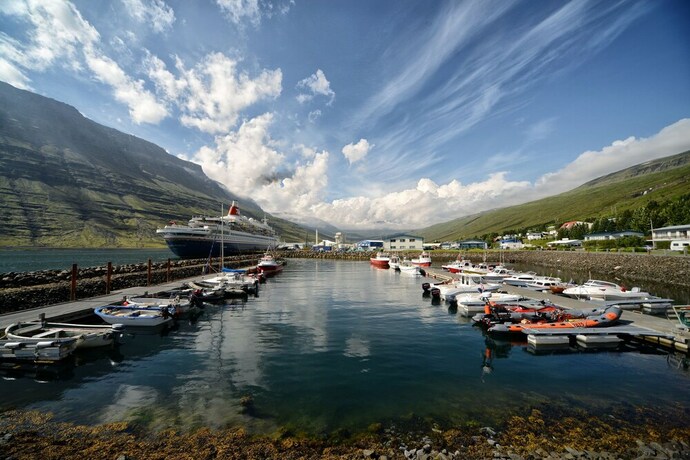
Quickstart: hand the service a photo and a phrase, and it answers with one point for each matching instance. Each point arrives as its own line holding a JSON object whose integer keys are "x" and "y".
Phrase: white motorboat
{"x": 605, "y": 290}
{"x": 394, "y": 262}
{"x": 520, "y": 279}
{"x": 544, "y": 283}
{"x": 467, "y": 283}
{"x": 135, "y": 315}
{"x": 86, "y": 335}
{"x": 408, "y": 267}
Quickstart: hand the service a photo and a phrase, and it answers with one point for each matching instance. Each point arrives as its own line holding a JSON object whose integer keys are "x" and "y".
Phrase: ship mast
{"x": 222, "y": 239}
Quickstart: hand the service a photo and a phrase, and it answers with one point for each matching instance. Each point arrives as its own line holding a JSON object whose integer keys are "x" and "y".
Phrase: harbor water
{"x": 27, "y": 260}
{"x": 330, "y": 345}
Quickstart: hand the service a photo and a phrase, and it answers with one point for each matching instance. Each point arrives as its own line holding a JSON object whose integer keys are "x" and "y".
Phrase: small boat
{"x": 467, "y": 283}
{"x": 135, "y": 315}
{"x": 394, "y": 262}
{"x": 381, "y": 260}
{"x": 269, "y": 265}
{"x": 543, "y": 283}
{"x": 608, "y": 317}
{"x": 424, "y": 260}
{"x": 520, "y": 279}
{"x": 49, "y": 350}
{"x": 408, "y": 267}
{"x": 605, "y": 290}
{"x": 87, "y": 335}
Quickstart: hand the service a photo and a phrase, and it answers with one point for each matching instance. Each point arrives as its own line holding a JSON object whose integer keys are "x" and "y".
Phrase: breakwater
{"x": 25, "y": 290}
{"x": 673, "y": 270}
{"x": 19, "y": 291}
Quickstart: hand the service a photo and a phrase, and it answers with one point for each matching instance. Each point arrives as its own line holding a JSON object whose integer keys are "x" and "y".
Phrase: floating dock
{"x": 658, "y": 330}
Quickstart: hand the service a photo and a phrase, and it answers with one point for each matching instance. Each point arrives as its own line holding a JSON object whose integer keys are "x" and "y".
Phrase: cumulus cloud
{"x": 264, "y": 170}
{"x": 317, "y": 85}
{"x": 356, "y": 152}
{"x": 154, "y": 12}
{"x": 212, "y": 94}
{"x": 60, "y": 36}
{"x": 429, "y": 202}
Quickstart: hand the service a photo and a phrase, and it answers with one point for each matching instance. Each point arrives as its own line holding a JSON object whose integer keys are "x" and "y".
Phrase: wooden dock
{"x": 70, "y": 311}
{"x": 662, "y": 331}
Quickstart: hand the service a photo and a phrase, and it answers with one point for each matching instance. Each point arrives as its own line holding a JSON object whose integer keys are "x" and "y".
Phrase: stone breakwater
{"x": 674, "y": 270}
{"x": 21, "y": 291}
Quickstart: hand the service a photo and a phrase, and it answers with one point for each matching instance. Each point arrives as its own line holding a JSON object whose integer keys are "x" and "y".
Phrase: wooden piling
{"x": 73, "y": 288}
{"x": 108, "y": 277}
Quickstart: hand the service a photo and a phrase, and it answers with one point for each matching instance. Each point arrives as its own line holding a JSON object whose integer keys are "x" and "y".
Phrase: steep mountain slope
{"x": 68, "y": 181}
{"x": 659, "y": 180}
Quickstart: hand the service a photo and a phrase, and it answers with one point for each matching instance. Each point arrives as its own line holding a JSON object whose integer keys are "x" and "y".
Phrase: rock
{"x": 368, "y": 453}
{"x": 427, "y": 448}
{"x": 488, "y": 431}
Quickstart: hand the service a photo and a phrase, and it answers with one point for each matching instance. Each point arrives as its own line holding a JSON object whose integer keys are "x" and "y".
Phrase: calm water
{"x": 26, "y": 260}
{"x": 329, "y": 345}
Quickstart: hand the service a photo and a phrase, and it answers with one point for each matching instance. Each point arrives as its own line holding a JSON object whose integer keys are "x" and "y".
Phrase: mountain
{"x": 663, "y": 179}
{"x": 66, "y": 181}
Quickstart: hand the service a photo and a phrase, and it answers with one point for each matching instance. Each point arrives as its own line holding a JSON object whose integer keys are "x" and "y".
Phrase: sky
{"x": 394, "y": 114}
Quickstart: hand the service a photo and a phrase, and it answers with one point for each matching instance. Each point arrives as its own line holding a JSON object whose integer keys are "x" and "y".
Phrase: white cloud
{"x": 11, "y": 74}
{"x": 318, "y": 85}
{"x": 61, "y": 36}
{"x": 263, "y": 174}
{"x": 211, "y": 95}
{"x": 154, "y": 12}
{"x": 619, "y": 155}
{"x": 355, "y": 152}
{"x": 240, "y": 10}
{"x": 429, "y": 203}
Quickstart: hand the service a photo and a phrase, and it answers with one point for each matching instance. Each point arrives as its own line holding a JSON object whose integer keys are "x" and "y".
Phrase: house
{"x": 611, "y": 235}
{"x": 403, "y": 242}
{"x": 565, "y": 242}
{"x": 471, "y": 244}
{"x": 511, "y": 243}
{"x": 531, "y": 236}
{"x": 675, "y": 232}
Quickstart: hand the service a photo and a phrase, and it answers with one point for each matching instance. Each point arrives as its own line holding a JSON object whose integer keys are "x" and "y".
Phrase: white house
{"x": 676, "y": 232}
{"x": 565, "y": 242}
{"x": 403, "y": 242}
{"x": 611, "y": 235}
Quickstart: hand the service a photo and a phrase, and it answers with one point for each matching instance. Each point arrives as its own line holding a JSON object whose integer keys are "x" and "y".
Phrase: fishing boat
{"x": 466, "y": 283}
{"x": 381, "y": 260}
{"x": 424, "y": 260}
{"x": 87, "y": 335}
{"x": 135, "y": 315}
{"x": 269, "y": 265}
{"x": 407, "y": 266}
{"x": 205, "y": 236}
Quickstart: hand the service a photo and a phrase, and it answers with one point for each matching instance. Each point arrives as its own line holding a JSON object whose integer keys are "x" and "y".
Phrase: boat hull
{"x": 201, "y": 248}
{"x": 379, "y": 263}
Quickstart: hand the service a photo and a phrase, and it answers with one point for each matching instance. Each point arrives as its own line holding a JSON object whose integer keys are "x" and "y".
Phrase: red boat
{"x": 381, "y": 260}
{"x": 424, "y": 260}
{"x": 269, "y": 265}
{"x": 609, "y": 316}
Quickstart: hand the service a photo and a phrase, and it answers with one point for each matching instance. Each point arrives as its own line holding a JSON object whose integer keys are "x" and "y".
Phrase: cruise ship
{"x": 203, "y": 237}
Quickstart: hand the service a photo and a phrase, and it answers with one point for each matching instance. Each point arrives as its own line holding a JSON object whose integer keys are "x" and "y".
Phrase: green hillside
{"x": 631, "y": 188}
{"x": 66, "y": 181}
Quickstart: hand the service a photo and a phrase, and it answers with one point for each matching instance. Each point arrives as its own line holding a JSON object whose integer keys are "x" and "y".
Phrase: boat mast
{"x": 222, "y": 239}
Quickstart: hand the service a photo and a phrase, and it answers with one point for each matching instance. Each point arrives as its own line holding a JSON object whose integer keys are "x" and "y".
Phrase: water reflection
{"x": 329, "y": 345}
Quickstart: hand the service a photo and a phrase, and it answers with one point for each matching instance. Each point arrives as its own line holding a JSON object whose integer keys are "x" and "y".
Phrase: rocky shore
{"x": 544, "y": 433}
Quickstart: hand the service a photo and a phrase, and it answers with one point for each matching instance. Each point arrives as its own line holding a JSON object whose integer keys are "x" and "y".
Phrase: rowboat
{"x": 87, "y": 335}
{"x": 49, "y": 350}
{"x": 135, "y": 315}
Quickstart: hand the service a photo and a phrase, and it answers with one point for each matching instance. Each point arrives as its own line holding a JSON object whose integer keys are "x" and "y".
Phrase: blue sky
{"x": 397, "y": 114}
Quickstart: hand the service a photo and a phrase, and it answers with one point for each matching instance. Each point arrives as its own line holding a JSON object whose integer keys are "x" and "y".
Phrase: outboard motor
{"x": 426, "y": 287}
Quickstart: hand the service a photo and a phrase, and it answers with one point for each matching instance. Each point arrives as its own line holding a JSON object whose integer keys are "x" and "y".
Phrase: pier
{"x": 659, "y": 330}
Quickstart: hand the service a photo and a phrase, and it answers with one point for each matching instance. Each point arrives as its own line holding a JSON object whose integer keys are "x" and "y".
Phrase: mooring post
{"x": 73, "y": 290}
{"x": 108, "y": 277}
{"x": 148, "y": 275}
{"x": 167, "y": 276}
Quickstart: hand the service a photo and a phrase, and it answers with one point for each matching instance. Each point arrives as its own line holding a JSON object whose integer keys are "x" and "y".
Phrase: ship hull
{"x": 202, "y": 248}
